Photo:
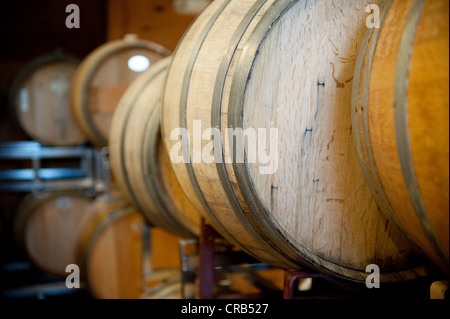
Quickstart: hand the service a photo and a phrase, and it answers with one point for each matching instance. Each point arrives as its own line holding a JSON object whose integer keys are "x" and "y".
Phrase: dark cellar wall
{"x": 29, "y": 29}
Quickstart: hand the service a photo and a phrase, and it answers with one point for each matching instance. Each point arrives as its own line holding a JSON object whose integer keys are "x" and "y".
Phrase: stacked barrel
{"x": 40, "y": 99}
{"x": 285, "y": 68}
{"x": 60, "y": 101}
{"x": 305, "y": 135}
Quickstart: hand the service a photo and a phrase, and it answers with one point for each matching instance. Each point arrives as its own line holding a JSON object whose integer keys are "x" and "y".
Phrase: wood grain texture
{"x": 197, "y": 57}
{"x": 198, "y": 108}
{"x": 315, "y": 191}
{"x": 172, "y": 98}
{"x": 46, "y": 229}
{"x": 41, "y": 102}
{"x": 135, "y": 135}
{"x": 427, "y": 99}
{"x": 140, "y": 163}
{"x": 429, "y": 131}
{"x": 109, "y": 249}
{"x": 287, "y": 66}
{"x": 101, "y": 80}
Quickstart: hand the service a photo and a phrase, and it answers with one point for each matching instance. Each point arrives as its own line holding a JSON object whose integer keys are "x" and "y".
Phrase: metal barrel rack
{"x": 204, "y": 260}
{"x": 91, "y": 177}
{"x": 205, "y": 264}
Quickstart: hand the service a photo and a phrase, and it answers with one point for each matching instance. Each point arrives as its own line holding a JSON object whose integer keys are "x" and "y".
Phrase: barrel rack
{"x": 91, "y": 177}
{"x": 205, "y": 261}
{"x": 30, "y": 174}
{"x": 202, "y": 260}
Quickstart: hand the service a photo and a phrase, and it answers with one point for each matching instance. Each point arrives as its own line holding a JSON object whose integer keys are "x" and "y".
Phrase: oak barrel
{"x": 102, "y": 78}
{"x": 45, "y": 227}
{"x": 139, "y": 162}
{"x": 282, "y": 71}
{"x": 109, "y": 248}
{"x": 400, "y": 110}
{"x": 40, "y": 99}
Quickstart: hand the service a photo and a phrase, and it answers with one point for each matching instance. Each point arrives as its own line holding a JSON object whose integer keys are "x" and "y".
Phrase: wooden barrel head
{"x": 46, "y": 229}
{"x": 277, "y": 76}
{"x": 40, "y": 100}
{"x": 102, "y": 79}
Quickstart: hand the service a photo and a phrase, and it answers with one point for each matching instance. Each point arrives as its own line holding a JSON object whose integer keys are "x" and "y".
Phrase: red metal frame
{"x": 207, "y": 237}
{"x": 324, "y": 287}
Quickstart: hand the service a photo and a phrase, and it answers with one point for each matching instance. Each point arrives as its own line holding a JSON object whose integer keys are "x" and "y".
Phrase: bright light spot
{"x": 138, "y": 63}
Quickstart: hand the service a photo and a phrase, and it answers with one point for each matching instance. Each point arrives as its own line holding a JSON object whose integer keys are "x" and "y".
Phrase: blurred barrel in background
{"x": 109, "y": 248}
{"x": 103, "y": 77}
{"x": 139, "y": 161}
{"x": 45, "y": 227}
{"x": 40, "y": 99}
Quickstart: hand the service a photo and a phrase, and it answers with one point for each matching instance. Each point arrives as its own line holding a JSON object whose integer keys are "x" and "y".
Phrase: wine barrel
{"x": 40, "y": 99}
{"x": 282, "y": 70}
{"x": 45, "y": 227}
{"x": 139, "y": 162}
{"x": 103, "y": 77}
{"x": 109, "y": 248}
{"x": 400, "y": 110}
